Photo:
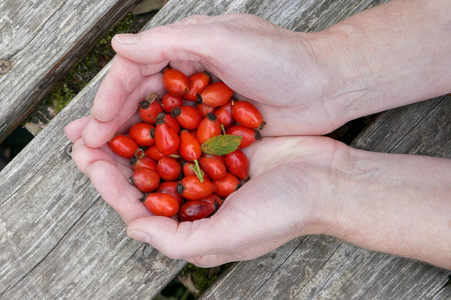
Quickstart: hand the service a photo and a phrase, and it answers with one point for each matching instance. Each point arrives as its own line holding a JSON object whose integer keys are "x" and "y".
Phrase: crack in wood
{"x": 413, "y": 127}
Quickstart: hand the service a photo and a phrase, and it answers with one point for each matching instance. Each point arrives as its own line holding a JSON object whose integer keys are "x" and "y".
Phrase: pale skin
{"x": 305, "y": 85}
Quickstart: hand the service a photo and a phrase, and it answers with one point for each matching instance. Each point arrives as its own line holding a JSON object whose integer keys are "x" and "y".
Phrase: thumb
{"x": 156, "y": 46}
{"x": 176, "y": 240}
{"x": 191, "y": 39}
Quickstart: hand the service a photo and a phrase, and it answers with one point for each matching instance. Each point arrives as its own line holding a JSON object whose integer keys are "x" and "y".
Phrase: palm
{"x": 289, "y": 176}
{"x": 275, "y": 206}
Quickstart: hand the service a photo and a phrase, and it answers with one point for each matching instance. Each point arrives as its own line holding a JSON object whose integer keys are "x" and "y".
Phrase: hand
{"x": 292, "y": 180}
{"x": 303, "y": 83}
{"x": 299, "y": 186}
{"x": 269, "y": 65}
{"x": 134, "y": 75}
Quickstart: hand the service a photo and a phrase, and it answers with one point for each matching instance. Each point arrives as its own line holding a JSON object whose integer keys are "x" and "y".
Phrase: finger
{"x": 109, "y": 175}
{"x": 196, "y": 19}
{"x": 97, "y": 132}
{"x": 191, "y": 39}
{"x": 122, "y": 78}
{"x": 213, "y": 260}
{"x": 220, "y": 234}
{"x": 173, "y": 238}
{"x": 190, "y": 42}
{"x": 125, "y": 127}
{"x": 74, "y": 129}
{"x": 187, "y": 67}
{"x": 115, "y": 189}
{"x": 84, "y": 156}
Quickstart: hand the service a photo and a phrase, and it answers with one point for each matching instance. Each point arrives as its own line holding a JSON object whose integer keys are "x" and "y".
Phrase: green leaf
{"x": 221, "y": 144}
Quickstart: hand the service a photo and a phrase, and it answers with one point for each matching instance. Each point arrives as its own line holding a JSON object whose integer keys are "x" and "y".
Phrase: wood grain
{"x": 43, "y": 40}
{"x": 59, "y": 239}
{"x": 412, "y": 136}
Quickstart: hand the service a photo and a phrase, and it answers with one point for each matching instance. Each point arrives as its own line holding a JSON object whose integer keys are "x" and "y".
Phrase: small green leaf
{"x": 221, "y": 144}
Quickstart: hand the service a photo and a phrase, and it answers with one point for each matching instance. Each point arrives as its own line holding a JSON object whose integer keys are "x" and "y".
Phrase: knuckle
{"x": 195, "y": 19}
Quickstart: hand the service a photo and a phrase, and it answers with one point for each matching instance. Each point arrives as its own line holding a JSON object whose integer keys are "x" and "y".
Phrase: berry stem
{"x": 199, "y": 173}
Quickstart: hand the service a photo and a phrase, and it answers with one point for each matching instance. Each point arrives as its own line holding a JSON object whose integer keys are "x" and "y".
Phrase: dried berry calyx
{"x": 160, "y": 119}
{"x": 176, "y": 111}
{"x": 221, "y": 144}
{"x": 151, "y": 98}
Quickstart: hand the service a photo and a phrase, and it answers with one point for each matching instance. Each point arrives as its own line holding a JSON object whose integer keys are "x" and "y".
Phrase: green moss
{"x": 200, "y": 278}
{"x": 60, "y": 96}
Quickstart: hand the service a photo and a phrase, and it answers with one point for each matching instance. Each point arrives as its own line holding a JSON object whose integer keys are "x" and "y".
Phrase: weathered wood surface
{"x": 59, "y": 239}
{"x": 146, "y": 6}
{"x": 43, "y": 39}
{"x": 321, "y": 267}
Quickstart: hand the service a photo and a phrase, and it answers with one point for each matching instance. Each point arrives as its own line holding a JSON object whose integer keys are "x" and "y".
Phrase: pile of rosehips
{"x": 185, "y": 153}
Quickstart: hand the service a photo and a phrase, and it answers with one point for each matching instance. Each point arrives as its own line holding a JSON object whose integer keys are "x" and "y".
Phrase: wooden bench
{"x": 41, "y": 41}
{"x": 59, "y": 239}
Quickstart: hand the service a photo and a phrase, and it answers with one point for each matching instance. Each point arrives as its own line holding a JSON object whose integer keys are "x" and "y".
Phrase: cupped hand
{"x": 271, "y": 66}
{"x": 292, "y": 178}
{"x": 268, "y": 65}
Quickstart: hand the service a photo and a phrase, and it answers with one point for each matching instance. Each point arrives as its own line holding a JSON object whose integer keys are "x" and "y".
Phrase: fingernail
{"x": 126, "y": 39}
{"x": 139, "y": 235}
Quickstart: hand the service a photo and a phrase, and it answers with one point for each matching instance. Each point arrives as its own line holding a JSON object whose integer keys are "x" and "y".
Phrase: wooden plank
{"x": 43, "y": 40}
{"x": 387, "y": 131}
{"x": 58, "y": 237}
{"x": 444, "y": 293}
{"x": 342, "y": 270}
{"x": 146, "y": 6}
{"x": 434, "y": 139}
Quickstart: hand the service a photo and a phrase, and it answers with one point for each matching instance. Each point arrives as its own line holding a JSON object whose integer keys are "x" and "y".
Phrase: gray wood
{"x": 146, "y": 6}
{"x": 423, "y": 129}
{"x": 43, "y": 40}
{"x": 444, "y": 293}
{"x": 59, "y": 239}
